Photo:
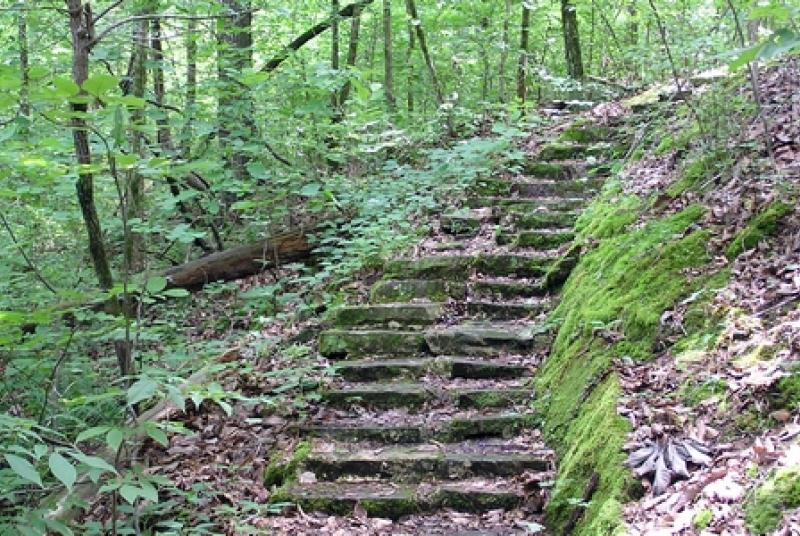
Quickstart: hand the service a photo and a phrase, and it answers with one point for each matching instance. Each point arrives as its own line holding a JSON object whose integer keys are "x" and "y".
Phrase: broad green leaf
{"x": 129, "y": 493}
{"x": 100, "y": 84}
{"x": 65, "y": 87}
{"x": 90, "y": 433}
{"x": 176, "y": 293}
{"x": 156, "y": 284}
{"x": 311, "y": 189}
{"x": 114, "y": 439}
{"x": 23, "y": 468}
{"x": 148, "y": 491}
{"x": 93, "y": 461}
{"x": 157, "y": 434}
{"x": 176, "y": 397}
{"x": 142, "y": 389}
{"x": 62, "y": 469}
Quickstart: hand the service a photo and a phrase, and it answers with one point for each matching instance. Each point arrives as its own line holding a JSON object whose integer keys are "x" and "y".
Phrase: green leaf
{"x": 129, "y": 493}
{"x": 62, "y": 469}
{"x": 311, "y": 189}
{"x": 90, "y": 433}
{"x": 176, "y": 293}
{"x": 176, "y": 397}
{"x": 157, "y": 434}
{"x": 65, "y": 87}
{"x": 114, "y": 439}
{"x": 100, "y": 84}
{"x": 156, "y": 284}
{"x": 142, "y": 389}
{"x": 148, "y": 491}
{"x": 23, "y": 469}
{"x": 93, "y": 461}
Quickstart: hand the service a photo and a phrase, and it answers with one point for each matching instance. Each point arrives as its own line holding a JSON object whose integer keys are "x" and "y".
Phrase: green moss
{"x": 788, "y": 392}
{"x": 694, "y": 392}
{"x": 781, "y": 492}
{"x": 624, "y": 284}
{"x": 609, "y": 215}
{"x": 760, "y": 227}
{"x": 282, "y": 471}
{"x": 583, "y": 131}
{"x": 703, "y": 519}
{"x": 698, "y": 171}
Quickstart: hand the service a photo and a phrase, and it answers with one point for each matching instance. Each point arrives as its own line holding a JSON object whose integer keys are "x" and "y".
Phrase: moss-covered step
{"x": 405, "y": 429}
{"x": 539, "y": 239}
{"x": 584, "y": 187}
{"x": 414, "y": 463}
{"x": 461, "y": 267}
{"x": 340, "y": 343}
{"x": 391, "y": 314}
{"x": 539, "y": 220}
{"x": 464, "y": 224}
{"x": 393, "y": 501}
{"x": 527, "y": 205}
{"x": 583, "y": 131}
{"x": 379, "y": 395}
{"x": 392, "y": 369}
{"x": 491, "y": 398}
{"x": 562, "y": 150}
{"x": 486, "y": 339}
{"x": 551, "y": 170}
{"x": 507, "y": 289}
{"x": 409, "y": 290}
{"x": 490, "y": 310}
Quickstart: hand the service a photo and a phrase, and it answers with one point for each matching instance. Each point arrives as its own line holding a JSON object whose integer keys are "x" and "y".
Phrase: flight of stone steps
{"x": 431, "y": 407}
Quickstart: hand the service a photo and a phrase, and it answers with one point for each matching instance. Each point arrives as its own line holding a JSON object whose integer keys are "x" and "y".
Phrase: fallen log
{"x": 240, "y": 261}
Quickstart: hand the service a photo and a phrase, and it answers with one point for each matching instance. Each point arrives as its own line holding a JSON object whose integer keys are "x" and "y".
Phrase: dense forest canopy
{"x": 155, "y": 152}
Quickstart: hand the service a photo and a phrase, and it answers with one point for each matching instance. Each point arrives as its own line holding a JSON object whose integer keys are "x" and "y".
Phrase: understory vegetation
{"x": 145, "y": 141}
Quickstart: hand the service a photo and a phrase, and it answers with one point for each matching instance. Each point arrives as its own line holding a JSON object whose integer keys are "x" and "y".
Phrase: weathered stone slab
{"x": 338, "y": 343}
{"x": 393, "y": 315}
{"x": 407, "y": 290}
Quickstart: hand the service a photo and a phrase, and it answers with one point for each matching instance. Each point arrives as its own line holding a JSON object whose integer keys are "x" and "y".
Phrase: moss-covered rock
{"x": 780, "y": 493}
{"x": 407, "y": 290}
{"x": 625, "y": 284}
{"x": 543, "y": 239}
{"x": 549, "y": 170}
{"x": 760, "y": 227}
{"x": 282, "y": 469}
{"x": 338, "y": 343}
{"x": 492, "y": 398}
{"x": 382, "y": 396}
{"x": 400, "y": 314}
{"x": 584, "y": 131}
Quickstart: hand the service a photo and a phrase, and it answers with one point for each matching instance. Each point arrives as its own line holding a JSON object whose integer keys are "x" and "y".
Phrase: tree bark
{"x": 235, "y": 103}
{"x": 191, "y": 88}
{"x": 423, "y": 46}
{"x": 335, "y": 52}
{"x": 524, "y": 60}
{"x": 410, "y": 67}
{"x": 352, "y": 54}
{"x": 388, "y": 63}
{"x": 82, "y": 31}
{"x": 506, "y": 45}
{"x": 24, "y": 65}
{"x": 240, "y": 261}
{"x": 572, "y": 42}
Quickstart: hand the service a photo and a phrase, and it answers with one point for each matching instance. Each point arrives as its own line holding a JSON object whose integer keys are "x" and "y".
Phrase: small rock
{"x": 307, "y": 477}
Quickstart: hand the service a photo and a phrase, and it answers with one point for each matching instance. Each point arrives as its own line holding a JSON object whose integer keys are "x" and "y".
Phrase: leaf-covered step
{"x": 392, "y": 315}
{"x": 491, "y": 310}
{"x": 380, "y": 395}
{"x": 540, "y": 238}
{"x": 402, "y": 428}
{"x": 414, "y": 463}
{"x": 486, "y": 339}
{"x": 409, "y": 290}
{"x": 340, "y": 343}
{"x": 461, "y": 267}
{"x": 502, "y": 205}
{"x": 394, "y": 501}
{"x": 504, "y": 289}
{"x": 452, "y": 367}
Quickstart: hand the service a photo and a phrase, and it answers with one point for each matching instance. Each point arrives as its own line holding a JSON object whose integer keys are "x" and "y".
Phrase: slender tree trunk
{"x": 24, "y": 65}
{"x": 191, "y": 87}
{"x": 572, "y": 43}
{"x": 352, "y": 54}
{"x": 388, "y": 63}
{"x": 423, "y": 46}
{"x": 335, "y": 52}
{"x": 236, "y": 108}
{"x": 82, "y": 32}
{"x": 410, "y": 69}
{"x": 373, "y": 46}
{"x": 484, "y": 53}
{"x": 505, "y": 46}
{"x": 522, "y": 71}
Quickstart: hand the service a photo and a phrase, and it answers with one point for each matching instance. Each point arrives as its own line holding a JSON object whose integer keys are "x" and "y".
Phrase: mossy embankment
{"x": 610, "y": 308}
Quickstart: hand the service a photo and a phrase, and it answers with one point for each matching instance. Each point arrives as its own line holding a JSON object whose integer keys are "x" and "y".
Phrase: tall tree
{"x": 572, "y": 42}
{"x": 411, "y": 7}
{"x": 505, "y": 45}
{"x": 191, "y": 87}
{"x": 410, "y": 76}
{"x": 235, "y": 103}
{"x": 352, "y": 54}
{"x": 524, "y": 44}
{"x": 24, "y": 64}
{"x": 81, "y": 26}
{"x": 388, "y": 62}
{"x": 335, "y": 51}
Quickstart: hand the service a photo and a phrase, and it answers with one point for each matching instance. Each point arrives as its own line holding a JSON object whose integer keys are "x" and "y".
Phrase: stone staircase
{"x": 431, "y": 406}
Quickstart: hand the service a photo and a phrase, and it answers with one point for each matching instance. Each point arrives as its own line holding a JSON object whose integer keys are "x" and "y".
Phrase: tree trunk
{"x": 572, "y": 43}
{"x": 236, "y": 107}
{"x": 82, "y": 31}
{"x": 410, "y": 66}
{"x": 505, "y": 46}
{"x": 240, "y": 261}
{"x": 388, "y": 63}
{"x": 24, "y": 65}
{"x": 423, "y": 46}
{"x": 352, "y": 54}
{"x": 191, "y": 88}
{"x": 335, "y": 52}
{"x": 522, "y": 71}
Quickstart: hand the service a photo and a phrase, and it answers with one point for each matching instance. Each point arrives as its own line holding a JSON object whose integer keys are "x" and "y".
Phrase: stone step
{"x": 502, "y": 289}
{"x": 490, "y": 310}
{"x": 415, "y": 463}
{"x": 537, "y": 220}
{"x": 418, "y": 428}
{"x": 392, "y": 314}
{"x": 566, "y": 150}
{"x": 502, "y": 205}
{"x": 340, "y": 343}
{"x": 487, "y": 339}
{"x": 451, "y": 367}
{"x": 539, "y": 187}
{"x": 468, "y": 394}
{"x": 464, "y": 225}
{"x": 553, "y": 170}
{"x": 409, "y": 290}
{"x": 544, "y": 239}
{"x": 461, "y": 267}
{"x": 394, "y": 501}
